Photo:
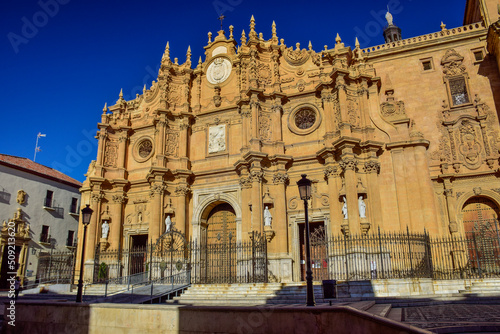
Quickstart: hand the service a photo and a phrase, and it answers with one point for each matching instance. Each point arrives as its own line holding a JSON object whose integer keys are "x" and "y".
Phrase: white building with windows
{"x": 44, "y": 204}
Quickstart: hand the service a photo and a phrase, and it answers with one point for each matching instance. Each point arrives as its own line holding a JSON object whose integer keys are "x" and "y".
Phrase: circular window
{"x": 304, "y": 119}
{"x": 143, "y": 149}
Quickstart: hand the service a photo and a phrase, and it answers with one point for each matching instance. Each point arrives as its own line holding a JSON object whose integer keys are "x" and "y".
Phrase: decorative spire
{"x": 297, "y": 46}
{"x": 188, "y": 55}
{"x": 243, "y": 37}
{"x": 273, "y": 30}
{"x": 357, "y": 43}
{"x": 199, "y": 62}
{"x": 252, "y": 34}
{"x": 105, "y": 109}
{"x": 209, "y": 37}
{"x": 166, "y": 54}
{"x": 231, "y": 28}
{"x": 176, "y": 61}
{"x": 443, "y": 26}
{"x": 310, "y": 46}
{"x": 144, "y": 89}
{"x": 121, "y": 93}
{"x": 338, "y": 40}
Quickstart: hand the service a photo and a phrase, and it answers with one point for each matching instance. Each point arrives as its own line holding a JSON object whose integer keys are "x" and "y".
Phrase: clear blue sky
{"x": 63, "y": 59}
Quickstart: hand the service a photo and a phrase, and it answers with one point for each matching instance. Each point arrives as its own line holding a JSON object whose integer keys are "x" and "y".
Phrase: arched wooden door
{"x": 481, "y": 230}
{"x": 220, "y": 247}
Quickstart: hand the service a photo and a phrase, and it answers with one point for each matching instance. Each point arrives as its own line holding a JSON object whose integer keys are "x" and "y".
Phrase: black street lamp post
{"x": 304, "y": 185}
{"x": 86, "y": 214}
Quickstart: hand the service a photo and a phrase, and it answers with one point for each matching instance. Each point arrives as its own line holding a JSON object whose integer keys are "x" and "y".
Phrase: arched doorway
{"x": 481, "y": 229}
{"x": 221, "y": 225}
{"x": 219, "y": 245}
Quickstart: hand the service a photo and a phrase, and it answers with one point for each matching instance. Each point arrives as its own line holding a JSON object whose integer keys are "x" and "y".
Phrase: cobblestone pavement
{"x": 446, "y": 317}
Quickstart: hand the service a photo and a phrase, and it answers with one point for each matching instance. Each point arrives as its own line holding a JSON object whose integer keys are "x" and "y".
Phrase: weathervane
{"x": 221, "y": 17}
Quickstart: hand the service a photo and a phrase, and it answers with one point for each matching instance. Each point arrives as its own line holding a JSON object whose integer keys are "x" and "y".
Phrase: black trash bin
{"x": 330, "y": 288}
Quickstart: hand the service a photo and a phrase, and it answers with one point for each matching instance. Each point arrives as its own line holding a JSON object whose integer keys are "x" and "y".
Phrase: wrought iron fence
{"x": 225, "y": 262}
{"x": 56, "y": 266}
{"x": 405, "y": 255}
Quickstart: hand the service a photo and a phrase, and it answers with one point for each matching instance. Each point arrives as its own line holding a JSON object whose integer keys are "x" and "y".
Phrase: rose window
{"x": 145, "y": 148}
{"x": 305, "y": 118}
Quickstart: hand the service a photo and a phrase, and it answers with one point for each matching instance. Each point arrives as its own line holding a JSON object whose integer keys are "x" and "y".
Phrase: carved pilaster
{"x": 331, "y": 172}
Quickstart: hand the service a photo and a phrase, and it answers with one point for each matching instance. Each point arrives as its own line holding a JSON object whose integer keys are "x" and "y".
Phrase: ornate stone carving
{"x": 452, "y": 63}
{"x": 256, "y": 176}
{"x": 353, "y": 112}
{"x": 477, "y": 191}
{"x": 348, "y": 164}
{"x": 293, "y": 203}
{"x": 217, "y": 98}
{"x": 469, "y": 146}
{"x": 111, "y": 154}
{"x": 157, "y": 189}
{"x": 21, "y": 197}
{"x": 96, "y": 197}
{"x": 182, "y": 190}
{"x": 265, "y": 129}
{"x": 392, "y": 109}
{"x": 245, "y": 182}
{"x": 372, "y": 167}
{"x": 296, "y": 57}
{"x": 448, "y": 192}
{"x": 118, "y": 198}
{"x": 331, "y": 171}
{"x": 172, "y": 143}
{"x": 219, "y": 70}
{"x": 217, "y": 138}
{"x": 264, "y": 74}
{"x": 280, "y": 178}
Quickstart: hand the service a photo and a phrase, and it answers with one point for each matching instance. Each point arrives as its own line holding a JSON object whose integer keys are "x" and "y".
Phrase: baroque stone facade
{"x": 407, "y": 128}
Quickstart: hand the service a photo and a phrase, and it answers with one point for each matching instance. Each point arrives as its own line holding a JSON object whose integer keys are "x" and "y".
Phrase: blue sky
{"x": 63, "y": 59}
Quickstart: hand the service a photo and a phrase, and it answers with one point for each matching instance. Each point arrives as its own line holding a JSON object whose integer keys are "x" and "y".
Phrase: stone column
{"x": 160, "y": 141}
{"x": 115, "y": 233}
{"x": 183, "y": 144}
{"x": 348, "y": 165}
{"x": 246, "y": 198}
{"x": 329, "y": 101}
{"x": 345, "y": 128}
{"x": 182, "y": 191}
{"x": 256, "y": 177}
{"x": 398, "y": 163}
{"x": 372, "y": 168}
{"x": 246, "y": 116}
{"x": 101, "y": 147}
{"x": 279, "y": 223}
{"x": 156, "y": 195}
{"x": 450, "y": 204}
{"x": 92, "y": 231}
{"x": 332, "y": 176}
{"x": 254, "y": 105}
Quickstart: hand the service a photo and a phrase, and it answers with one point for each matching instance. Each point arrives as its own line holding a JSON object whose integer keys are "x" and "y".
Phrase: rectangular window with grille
{"x": 74, "y": 205}
{"x": 48, "y": 198}
{"x": 458, "y": 90}
{"x": 70, "y": 242}
{"x": 44, "y": 237}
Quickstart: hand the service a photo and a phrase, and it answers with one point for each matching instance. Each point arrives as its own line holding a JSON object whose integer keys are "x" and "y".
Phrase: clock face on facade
{"x": 219, "y": 70}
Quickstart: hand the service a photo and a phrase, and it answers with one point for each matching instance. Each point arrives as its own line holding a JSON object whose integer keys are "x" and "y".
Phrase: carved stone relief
{"x": 217, "y": 138}
{"x": 111, "y": 154}
{"x": 172, "y": 144}
{"x": 265, "y": 130}
{"x": 219, "y": 70}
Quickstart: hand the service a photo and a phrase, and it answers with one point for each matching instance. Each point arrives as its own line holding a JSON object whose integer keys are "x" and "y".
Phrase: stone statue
{"x": 105, "y": 229}
{"x": 388, "y": 17}
{"x": 267, "y": 217}
{"x": 139, "y": 217}
{"x": 21, "y": 197}
{"x": 344, "y": 208}
{"x": 362, "y": 207}
{"x": 168, "y": 224}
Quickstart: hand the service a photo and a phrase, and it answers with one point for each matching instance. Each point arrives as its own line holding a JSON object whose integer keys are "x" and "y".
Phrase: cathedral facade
{"x": 403, "y": 135}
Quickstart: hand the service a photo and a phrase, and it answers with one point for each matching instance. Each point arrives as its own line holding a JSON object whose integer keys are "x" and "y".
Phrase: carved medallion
{"x": 219, "y": 70}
